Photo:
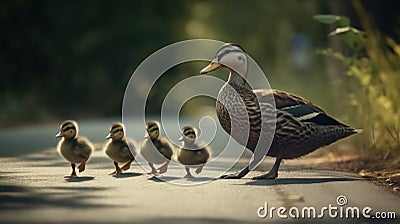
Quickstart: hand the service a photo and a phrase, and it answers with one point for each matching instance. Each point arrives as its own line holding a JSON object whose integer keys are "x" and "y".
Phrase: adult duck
{"x": 300, "y": 125}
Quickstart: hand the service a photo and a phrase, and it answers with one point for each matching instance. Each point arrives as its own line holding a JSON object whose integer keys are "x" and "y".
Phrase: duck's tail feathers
{"x": 358, "y": 131}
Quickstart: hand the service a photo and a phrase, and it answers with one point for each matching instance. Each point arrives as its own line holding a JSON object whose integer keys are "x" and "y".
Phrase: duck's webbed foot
{"x": 199, "y": 169}
{"x": 73, "y": 174}
{"x": 236, "y": 175}
{"x": 188, "y": 174}
{"x": 163, "y": 168}
{"x": 273, "y": 173}
{"x": 117, "y": 170}
{"x": 82, "y": 166}
{"x": 269, "y": 175}
{"x": 127, "y": 165}
{"x": 153, "y": 170}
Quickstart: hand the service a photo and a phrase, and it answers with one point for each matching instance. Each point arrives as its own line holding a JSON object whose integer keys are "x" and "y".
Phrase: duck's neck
{"x": 189, "y": 145}
{"x": 236, "y": 79}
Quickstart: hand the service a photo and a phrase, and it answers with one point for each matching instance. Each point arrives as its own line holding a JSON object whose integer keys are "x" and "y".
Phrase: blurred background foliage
{"x": 372, "y": 65}
{"x": 70, "y": 59}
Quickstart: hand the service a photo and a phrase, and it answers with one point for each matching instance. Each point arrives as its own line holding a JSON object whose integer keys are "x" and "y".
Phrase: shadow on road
{"x": 80, "y": 179}
{"x": 127, "y": 174}
{"x": 16, "y": 197}
{"x": 163, "y": 179}
{"x": 285, "y": 181}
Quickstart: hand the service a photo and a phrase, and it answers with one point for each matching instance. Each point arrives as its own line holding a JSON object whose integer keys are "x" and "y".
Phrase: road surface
{"x": 33, "y": 190}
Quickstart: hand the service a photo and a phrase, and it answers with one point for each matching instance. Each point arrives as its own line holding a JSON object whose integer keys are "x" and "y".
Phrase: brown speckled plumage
{"x": 300, "y": 126}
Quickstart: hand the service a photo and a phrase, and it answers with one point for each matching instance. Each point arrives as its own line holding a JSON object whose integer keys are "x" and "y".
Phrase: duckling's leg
{"x": 117, "y": 169}
{"x": 73, "y": 174}
{"x": 188, "y": 174}
{"x": 236, "y": 175}
{"x": 199, "y": 169}
{"x": 273, "y": 173}
{"x": 127, "y": 165}
{"x": 81, "y": 166}
{"x": 164, "y": 167}
{"x": 153, "y": 170}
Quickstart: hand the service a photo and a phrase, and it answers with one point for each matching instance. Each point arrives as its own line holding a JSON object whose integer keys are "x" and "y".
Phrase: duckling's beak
{"x": 59, "y": 135}
{"x": 211, "y": 67}
{"x": 109, "y": 136}
{"x": 146, "y": 135}
{"x": 181, "y": 138}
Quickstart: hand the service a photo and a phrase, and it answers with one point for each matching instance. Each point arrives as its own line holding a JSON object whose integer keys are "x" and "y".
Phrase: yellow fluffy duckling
{"x": 74, "y": 148}
{"x": 118, "y": 148}
{"x": 156, "y": 149}
{"x": 192, "y": 154}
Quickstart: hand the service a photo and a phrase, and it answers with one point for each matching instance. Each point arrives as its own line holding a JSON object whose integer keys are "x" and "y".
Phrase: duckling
{"x": 74, "y": 148}
{"x": 118, "y": 148}
{"x": 300, "y": 125}
{"x": 192, "y": 154}
{"x": 156, "y": 149}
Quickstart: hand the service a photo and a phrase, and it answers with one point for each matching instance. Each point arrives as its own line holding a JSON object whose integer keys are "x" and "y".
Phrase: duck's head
{"x": 230, "y": 56}
{"x": 152, "y": 130}
{"x": 188, "y": 135}
{"x": 68, "y": 130}
{"x": 116, "y": 131}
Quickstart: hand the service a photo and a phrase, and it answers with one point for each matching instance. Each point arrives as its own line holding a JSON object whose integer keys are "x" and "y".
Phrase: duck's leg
{"x": 199, "y": 169}
{"x": 117, "y": 169}
{"x": 127, "y": 165}
{"x": 188, "y": 174}
{"x": 164, "y": 167}
{"x": 73, "y": 174}
{"x": 236, "y": 175}
{"x": 273, "y": 173}
{"x": 153, "y": 170}
{"x": 81, "y": 166}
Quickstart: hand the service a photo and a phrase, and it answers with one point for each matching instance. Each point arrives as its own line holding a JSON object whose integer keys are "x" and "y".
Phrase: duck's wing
{"x": 165, "y": 148}
{"x": 284, "y": 99}
{"x": 300, "y": 108}
{"x": 132, "y": 145}
{"x": 84, "y": 146}
{"x": 203, "y": 154}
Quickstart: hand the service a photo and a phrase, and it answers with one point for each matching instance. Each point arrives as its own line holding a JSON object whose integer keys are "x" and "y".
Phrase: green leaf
{"x": 326, "y": 18}
{"x": 349, "y": 35}
{"x": 344, "y": 21}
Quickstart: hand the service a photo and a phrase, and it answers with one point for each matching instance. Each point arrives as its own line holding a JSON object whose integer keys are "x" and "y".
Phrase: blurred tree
{"x": 62, "y": 59}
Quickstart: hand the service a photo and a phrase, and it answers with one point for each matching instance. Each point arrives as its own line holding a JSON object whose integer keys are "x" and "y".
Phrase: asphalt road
{"x": 33, "y": 190}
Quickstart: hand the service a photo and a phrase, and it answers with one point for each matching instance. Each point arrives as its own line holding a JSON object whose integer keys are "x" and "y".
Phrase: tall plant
{"x": 373, "y": 79}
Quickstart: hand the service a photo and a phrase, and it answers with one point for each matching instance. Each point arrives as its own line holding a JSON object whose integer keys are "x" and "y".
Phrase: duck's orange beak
{"x": 211, "y": 67}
